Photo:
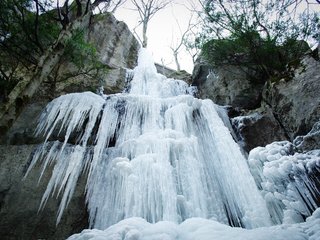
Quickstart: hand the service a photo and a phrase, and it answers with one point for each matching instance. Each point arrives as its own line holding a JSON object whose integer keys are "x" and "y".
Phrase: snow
{"x": 161, "y": 164}
{"x": 201, "y": 229}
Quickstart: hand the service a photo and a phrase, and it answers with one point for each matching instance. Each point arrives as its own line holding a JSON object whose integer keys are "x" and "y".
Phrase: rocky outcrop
{"x": 310, "y": 141}
{"x": 117, "y": 48}
{"x": 170, "y": 73}
{"x": 296, "y": 103}
{"x": 257, "y": 129}
{"x": 226, "y": 85}
{"x": 293, "y": 103}
{"x": 20, "y": 199}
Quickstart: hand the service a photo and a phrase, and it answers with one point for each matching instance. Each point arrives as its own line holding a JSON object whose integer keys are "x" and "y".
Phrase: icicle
{"x": 286, "y": 181}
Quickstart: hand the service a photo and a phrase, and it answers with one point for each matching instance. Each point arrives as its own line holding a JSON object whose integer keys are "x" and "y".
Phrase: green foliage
{"x": 49, "y": 28}
{"x": 83, "y": 54}
{"x": 78, "y": 51}
{"x": 24, "y": 34}
{"x": 262, "y": 38}
{"x": 260, "y": 58}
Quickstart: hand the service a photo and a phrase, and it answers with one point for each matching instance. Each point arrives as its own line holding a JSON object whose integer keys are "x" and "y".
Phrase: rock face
{"x": 19, "y": 200}
{"x": 294, "y": 105}
{"x": 258, "y": 129}
{"x": 226, "y": 85}
{"x": 116, "y": 47}
{"x": 310, "y": 141}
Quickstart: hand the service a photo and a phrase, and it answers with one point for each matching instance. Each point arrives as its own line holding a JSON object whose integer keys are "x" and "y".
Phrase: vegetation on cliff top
{"x": 30, "y": 28}
{"x": 263, "y": 38}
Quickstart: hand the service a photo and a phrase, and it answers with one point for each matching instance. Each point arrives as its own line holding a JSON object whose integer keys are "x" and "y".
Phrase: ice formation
{"x": 160, "y": 164}
{"x": 287, "y": 180}
{"x": 202, "y": 229}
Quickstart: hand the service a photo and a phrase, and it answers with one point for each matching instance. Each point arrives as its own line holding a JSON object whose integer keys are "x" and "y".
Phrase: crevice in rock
{"x": 276, "y": 117}
{"x": 3, "y": 194}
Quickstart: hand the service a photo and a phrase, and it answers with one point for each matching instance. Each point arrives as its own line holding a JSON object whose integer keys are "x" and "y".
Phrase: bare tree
{"x": 77, "y": 9}
{"x": 182, "y": 41}
{"x": 147, "y": 9}
{"x": 110, "y": 6}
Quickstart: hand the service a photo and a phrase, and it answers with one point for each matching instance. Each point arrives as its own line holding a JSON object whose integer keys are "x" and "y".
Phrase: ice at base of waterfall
{"x": 202, "y": 229}
{"x": 288, "y": 180}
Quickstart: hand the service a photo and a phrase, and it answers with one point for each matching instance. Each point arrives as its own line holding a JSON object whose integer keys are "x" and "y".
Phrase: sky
{"x": 164, "y": 31}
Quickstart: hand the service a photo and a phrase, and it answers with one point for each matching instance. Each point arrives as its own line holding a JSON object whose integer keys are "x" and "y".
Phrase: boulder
{"x": 259, "y": 128}
{"x": 226, "y": 85}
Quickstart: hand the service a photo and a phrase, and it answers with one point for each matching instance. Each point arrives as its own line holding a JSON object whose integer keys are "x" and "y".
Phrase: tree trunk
{"x": 144, "y": 34}
{"x": 175, "y": 54}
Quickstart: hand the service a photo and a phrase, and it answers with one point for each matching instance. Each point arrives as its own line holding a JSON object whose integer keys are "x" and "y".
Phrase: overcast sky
{"x": 164, "y": 30}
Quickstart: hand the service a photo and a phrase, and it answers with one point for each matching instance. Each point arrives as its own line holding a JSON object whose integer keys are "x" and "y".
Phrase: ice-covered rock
{"x": 310, "y": 141}
{"x": 258, "y": 129}
{"x": 201, "y": 229}
{"x": 288, "y": 180}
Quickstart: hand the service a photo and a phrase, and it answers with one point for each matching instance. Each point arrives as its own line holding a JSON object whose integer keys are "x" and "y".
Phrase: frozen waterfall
{"x": 155, "y": 152}
{"x": 151, "y": 154}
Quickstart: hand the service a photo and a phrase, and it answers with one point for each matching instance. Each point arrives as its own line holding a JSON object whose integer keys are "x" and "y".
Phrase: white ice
{"x": 288, "y": 180}
{"x": 201, "y": 229}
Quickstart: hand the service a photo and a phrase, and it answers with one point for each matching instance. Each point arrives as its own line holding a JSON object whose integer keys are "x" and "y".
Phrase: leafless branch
{"x": 146, "y": 10}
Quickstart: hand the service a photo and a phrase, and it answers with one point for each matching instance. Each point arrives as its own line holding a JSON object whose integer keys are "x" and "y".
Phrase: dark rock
{"x": 20, "y": 199}
{"x": 170, "y": 73}
{"x": 22, "y": 130}
{"x": 258, "y": 129}
{"x": 310, "y": 141}
{"x": 200, "y": 72}
{"x": 296, "y": 103}
{"x": 226, "y": 85}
